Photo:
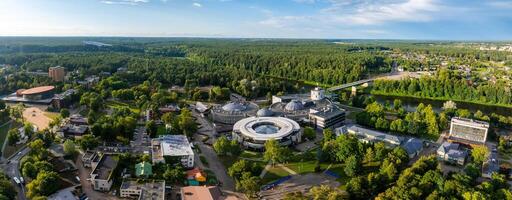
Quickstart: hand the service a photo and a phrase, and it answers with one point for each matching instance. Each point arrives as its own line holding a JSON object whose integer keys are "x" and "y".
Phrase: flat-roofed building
{"x": 102, "y": 174}
{"x": 152, "y": 190}
{"x": 88, "y": 158}
{"x": 327, "y": 117}
{"x": 367, "y": 135}
{"x": 172, "y": 146}
{"x": 57, "y": 73}
{"x": 468, "y": 131}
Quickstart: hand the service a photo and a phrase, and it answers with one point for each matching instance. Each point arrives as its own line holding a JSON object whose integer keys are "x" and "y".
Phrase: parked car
{"x": 16, "y": 180}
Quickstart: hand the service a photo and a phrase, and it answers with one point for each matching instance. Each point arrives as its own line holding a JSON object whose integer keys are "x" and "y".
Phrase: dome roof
{"x": 266, "y": 129}
{"x": 234, "y": 107}
{"x": 264, "y": 112}
{"x": 294, "y": 105}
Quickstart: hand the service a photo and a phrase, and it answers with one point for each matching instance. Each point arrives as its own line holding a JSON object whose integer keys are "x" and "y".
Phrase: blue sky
{"x": 358, "y": 19}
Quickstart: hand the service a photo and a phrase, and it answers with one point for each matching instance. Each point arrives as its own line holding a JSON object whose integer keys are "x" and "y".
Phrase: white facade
{"x": 142, "y": 191}
{"x": 367, "y": 135}
{"x": 255, "y": 131}
{"x": 317, "y": 94}
{"x": 101, "y": 175}
{"x": 469, "y": 130}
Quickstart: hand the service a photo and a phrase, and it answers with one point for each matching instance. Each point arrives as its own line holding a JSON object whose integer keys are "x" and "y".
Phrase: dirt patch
{"x": 300, "y": 183}
{"x": 37, "y": 117}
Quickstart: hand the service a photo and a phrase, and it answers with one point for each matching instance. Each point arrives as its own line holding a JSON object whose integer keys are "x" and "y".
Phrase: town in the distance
{"x": 226, "y": 119}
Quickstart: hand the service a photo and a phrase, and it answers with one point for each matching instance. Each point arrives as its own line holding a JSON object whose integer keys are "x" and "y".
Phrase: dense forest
{"x": 446, "y": 85}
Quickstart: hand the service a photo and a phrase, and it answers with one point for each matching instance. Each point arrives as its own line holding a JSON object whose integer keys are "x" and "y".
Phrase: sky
{"x": 331, "y": 19}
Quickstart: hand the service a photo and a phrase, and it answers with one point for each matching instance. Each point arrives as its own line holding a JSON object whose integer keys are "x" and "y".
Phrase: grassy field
{"x": 52, "y": 115}
{"x": 118, "y": 104}
{"x": 3, "y": 133}
{"x": 274, "y": 174}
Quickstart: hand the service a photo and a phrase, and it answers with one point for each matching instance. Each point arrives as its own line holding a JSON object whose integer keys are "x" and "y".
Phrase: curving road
{"x": 11, "y": 168}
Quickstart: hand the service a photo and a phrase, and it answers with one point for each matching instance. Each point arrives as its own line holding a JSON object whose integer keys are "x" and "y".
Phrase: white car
{"x": 77, "y": 178}
{"x": 16, "y": 180}
{"x": 21, "y": 179}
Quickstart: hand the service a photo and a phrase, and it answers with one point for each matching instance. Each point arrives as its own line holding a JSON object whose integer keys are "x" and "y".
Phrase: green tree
{"x": 248, "y": 184}
{"x": 38, "y": 149}
{"x": 236, "y": 170}
{"x": 88, "y": 141}
{"x": 352, "y": 166}
{"x": 472, "y": 171}
{"x": 64, "y": 113}
{"x": 167, "y": 118}
{"x": 273, "y": 152}
{"x": 186, "y": 122}
{"x": 174, "y": 174}
{"x": 221, "y": 145}
{"x": 382, "y": 124}
{"x": 397, "y": 126}
{"x": 235, "y": 148}
{"x": 397, "y": 104}
{"x": 69, "y": 147}
{"x": 13, "y": 136}
{"x": 16, "y": 112}
{"x": 29, "y": 129}
{"x": 480, "y": 154}
{"x": 328, "y": 135}
{"x": 45, "y": 184}
{"x": 309, "y": 133}
{"x": 151, "y": 128}
{"x": 7, "y": 190}
{"x": 325, "y": 192}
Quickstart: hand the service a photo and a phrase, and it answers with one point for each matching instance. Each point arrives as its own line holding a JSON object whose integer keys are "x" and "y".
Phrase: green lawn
{"x": 274, "y": 174}
{"x": 3, "y": 133}
{"x": 161, "y": 131}
{"x": 118, "y": 104}
{"x": 52, "y": 115}
{"x": 251, "y": 155}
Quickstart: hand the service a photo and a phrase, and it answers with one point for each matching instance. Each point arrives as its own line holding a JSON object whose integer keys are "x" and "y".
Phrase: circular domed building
{"x": 294, "y": 105}
{"x": 231, "y": 112}
{"x": 253, "y": 132}
{"x": 265, "y": 112}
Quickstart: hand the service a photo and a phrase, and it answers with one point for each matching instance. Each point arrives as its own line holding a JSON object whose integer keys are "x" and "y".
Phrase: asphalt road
{"x": 214, "y": 163}
{"x": 11, "y": 168}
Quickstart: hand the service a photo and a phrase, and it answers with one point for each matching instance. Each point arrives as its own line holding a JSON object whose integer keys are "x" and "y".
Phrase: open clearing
{"x": 37, "y": 117}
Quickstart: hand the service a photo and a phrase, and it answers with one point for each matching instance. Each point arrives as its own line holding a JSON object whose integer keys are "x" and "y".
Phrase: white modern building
{"x": 468, "y": 131}
{"x": 102, "y": 173}
{"x": 253, "y": 132}
{"x": 317, "y": 94}
{"x": 172, "y": 146}
{"x": 152, "y": 190}
{"x": 327, "y": 117}
{"x": 367, "y": 135}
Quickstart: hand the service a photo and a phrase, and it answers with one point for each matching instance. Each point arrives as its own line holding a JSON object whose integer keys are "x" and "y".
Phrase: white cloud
{"x": 500, "y": 4}
{"x": 361, "y": 13}
{"x": 195, "y": 4}
{"x": 408, "y": 11}
{"x": 124, "y": 2}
